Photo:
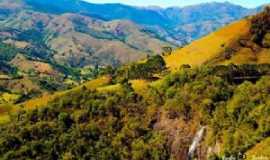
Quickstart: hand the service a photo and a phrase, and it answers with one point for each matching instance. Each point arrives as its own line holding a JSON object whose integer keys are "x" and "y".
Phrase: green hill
{"x": 157, "y": 109}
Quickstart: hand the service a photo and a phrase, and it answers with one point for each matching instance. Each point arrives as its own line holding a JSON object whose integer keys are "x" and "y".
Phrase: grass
{"x": 10, "y": 98}
{"x": 25, "y": 65}
{"x": 4, "y": 113}
{"x": 260, "y": 150}
{"x": 110, "y": 88}
{"x": 45, "y": 99}
{"x": 245, "y": 55}
{"x": 139, "y": 86}
{"x": 4, "y": 118}
{"x": 19, "y": 86}
{"x": 207, "y": 48}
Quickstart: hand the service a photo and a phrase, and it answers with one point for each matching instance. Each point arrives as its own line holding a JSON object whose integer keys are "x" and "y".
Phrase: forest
{"x": 121, "y": 125}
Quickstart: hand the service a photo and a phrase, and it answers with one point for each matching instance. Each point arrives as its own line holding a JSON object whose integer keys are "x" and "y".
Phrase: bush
{"x": 266, "y": 41}
{"x": 260, "y": 25}
{"x": 153, "y": 65}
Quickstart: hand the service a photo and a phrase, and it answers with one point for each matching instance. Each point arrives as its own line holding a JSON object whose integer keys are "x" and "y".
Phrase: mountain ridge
{"x": 160, "y": 17}
{"x": 152, "y": 109}
{"x": 74, "y": 45}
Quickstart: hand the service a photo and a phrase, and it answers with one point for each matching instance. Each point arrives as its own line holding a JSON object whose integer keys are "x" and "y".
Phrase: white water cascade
{"x": 195, "y": 143}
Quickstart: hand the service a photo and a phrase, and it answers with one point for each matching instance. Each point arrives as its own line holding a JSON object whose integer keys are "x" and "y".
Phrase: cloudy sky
{"x": 166, "y": 3}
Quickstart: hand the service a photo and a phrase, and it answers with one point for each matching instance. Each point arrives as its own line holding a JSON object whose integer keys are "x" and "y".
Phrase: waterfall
{"x": 196, "y": 141}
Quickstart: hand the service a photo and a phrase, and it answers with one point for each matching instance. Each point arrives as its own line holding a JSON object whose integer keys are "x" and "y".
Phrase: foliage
{"x": 260, "y": 25}
{"x": 120, "y": 125}
{"x": 7, "y": 52}
{"x": 146, "y": 70}
{"x": 90, "y": 125}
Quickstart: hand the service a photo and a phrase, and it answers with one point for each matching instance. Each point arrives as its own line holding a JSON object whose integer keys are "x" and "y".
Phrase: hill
{"x": 191, "y": 104}
{"x": 208, "y": 47}
{"x": 76, "y": 41}
{"x": 41, "y": 50}
{"x": 163, "y": 121}
{"x": 178, "y": 25}
{"x": 233, "y": 44}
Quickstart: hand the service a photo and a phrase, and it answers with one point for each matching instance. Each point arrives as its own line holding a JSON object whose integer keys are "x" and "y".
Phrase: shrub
{"x": 260, "y": 25}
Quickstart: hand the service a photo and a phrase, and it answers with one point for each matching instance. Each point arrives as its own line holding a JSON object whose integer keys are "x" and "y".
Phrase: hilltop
{"x": 174, "y": 24}
{"x": 75, "y": 42}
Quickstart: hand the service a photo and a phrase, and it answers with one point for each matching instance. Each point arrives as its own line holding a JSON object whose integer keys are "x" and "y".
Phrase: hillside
{"x": 161, "y": 124}
{"x": 209, "y": 47}
{"x": 46, "y": 52}
{"x": 208, "y": 100}
{"x": 75, "y": 42}
{"x": 233, "y": 44}
{"x": 174, "y": 24}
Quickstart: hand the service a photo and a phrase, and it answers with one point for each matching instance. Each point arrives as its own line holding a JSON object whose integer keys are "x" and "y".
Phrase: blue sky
{"x": 166, "y": 3}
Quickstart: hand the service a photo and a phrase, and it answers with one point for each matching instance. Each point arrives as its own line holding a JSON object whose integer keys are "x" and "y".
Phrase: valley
{"x": 75, "y": 84}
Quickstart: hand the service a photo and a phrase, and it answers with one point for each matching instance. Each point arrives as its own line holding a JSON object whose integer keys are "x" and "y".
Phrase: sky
{"x": 181, "y": 3}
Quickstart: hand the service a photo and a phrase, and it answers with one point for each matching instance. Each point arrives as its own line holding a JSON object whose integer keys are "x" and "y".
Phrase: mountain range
{"x": 174, "y": 24}
{"x": 61, "y": 99}
{"x": 73, "y": 40}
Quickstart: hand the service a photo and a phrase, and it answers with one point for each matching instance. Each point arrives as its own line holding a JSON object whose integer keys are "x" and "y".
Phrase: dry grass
{"x": 209, "y": 47}
{"x": 260, "y": 150}
{"x": 4, "y": 118}
{"x": 140, "y": 86}
{"x": 45, "y": 99}
{"x": 9, "y": 98}
{"x": 20, "y": 85}
{"x": 246, "y": 55}
{"x": 4, "y": 113}
{"x": 26, "y": 65}
{"x": 18, "y": 44}
{"x": 110, "y": 88}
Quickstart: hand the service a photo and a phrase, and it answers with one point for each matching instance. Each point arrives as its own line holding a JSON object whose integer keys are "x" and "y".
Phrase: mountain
{"x": 212, "y": 104}
{"x": 239, "y": 47}
{"x": 42, "y": 52}
{"x": 75, "y": 42}
{"x": 176, "y": 25}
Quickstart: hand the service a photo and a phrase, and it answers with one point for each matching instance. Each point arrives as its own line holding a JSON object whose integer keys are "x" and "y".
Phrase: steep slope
{"x": 83, "y": 39}
{"x": 207, "y": 48}
{"x": 44, "y": 52}
{"x": 163, "y": 122}
{"x": 232, "y": 44}
{"x": 129, "y": 114}
{"x": 197, "y": 21}
{"x": 176, "y": 25}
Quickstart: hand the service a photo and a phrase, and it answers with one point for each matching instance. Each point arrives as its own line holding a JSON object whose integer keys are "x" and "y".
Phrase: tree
{"x": 260, "y": 26}
{"x": 64, "y": 120}
{"x": 166, "y": 51}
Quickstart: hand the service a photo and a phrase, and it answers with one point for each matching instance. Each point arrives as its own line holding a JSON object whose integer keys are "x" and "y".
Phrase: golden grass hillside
{"x": 209, "y": 47}
{"x": 102, "y": 84}
{"x": 45, "y": 99}
{"x": 261, "y": 150}
{"x": 6, "y": 109}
